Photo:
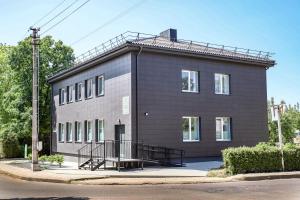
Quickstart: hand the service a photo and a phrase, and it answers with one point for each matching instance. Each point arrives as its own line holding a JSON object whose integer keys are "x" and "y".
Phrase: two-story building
{"x": 162, "y": 91}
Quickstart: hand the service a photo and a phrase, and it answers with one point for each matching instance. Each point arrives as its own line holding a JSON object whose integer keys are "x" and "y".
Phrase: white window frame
{"x": 79, "y": 91}
{"x": 222, "y": 119}
{"x": 69, "y": 132}
{"x": 70, "y": 94}
{"x": 100, "y": 79}
{"x": 62, "y": 99}
{"x": 222, "y": 82}
{"x": 89, "y": 87}
{"x": 78, "y": 133}
{"x": 61, "y": 132}
{"x": 89, "y": 135}
{"x": 100, "y": 131}
{"x": 189, "y": 82}
{"x": 190, "y": 129}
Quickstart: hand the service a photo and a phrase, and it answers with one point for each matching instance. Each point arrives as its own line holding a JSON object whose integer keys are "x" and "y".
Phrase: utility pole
{"x": 276, "y": 115}
{"x": 35, "y": 98}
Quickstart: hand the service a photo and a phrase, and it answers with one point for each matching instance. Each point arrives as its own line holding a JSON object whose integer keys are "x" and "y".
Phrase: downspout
{"x": 51, "y": 121}
{"x": 136, "y": 96}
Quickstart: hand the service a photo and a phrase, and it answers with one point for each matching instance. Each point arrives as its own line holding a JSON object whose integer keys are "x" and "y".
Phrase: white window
{"x": 190, "y": 129}
{"x": 78, "y": 90}
{"x": 62, "y": 96}
{"x": 78, "y": 131}
{"x": 88, "y": 88}
{"x": 61, "y": 132}
{"x": 100, "y": 130}
{"x": 189, "y": 81}
{"x": 100, "y": 85}
{"x": 222, "y": 84}
{"x": 69, "y": 132}
{"x": 223, "y": 129}
{"x": 88, "y": 131}
{"x": 70, "y": 94}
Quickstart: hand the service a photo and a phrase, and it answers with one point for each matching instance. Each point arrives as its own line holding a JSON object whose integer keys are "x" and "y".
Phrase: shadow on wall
{"x": 56, "y": 198}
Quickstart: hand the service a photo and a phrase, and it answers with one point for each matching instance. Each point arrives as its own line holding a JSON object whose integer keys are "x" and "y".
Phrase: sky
{"x": 268, "y": 25}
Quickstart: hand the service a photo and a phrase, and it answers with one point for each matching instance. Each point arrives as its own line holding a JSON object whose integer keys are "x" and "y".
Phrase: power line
{"x": 65, "y": 17}
{"x": 58, "y": 14}
{"x": 38, "y": 21}
{"x": 121, "y": 14}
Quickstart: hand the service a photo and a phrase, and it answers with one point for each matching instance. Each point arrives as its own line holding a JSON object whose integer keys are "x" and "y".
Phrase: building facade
{"x": 162, "y": 91}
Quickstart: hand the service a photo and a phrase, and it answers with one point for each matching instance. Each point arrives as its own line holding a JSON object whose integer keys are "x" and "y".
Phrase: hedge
{"x": 9, "y": 147}
{"x": 262, "y": 158}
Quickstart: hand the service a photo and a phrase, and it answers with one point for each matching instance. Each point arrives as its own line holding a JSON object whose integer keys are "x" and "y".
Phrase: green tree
{"x": 17, "y": 103}
{"x": 290, "y": 122}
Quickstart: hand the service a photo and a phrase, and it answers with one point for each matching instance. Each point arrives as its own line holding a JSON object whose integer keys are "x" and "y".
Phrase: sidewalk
{"x": 192, "y": 173}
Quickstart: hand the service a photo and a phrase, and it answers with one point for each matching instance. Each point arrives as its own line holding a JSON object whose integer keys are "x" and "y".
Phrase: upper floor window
{"x": 78, "y": 131}
{"x": 88, "y": 130}
{"x": 190, "y": 129}
{"x": 88, "y": 88}
{"x": 189, "y": 81}
{"x": 61, "y": 132}
{"x": 223, "y": 129}
{"x": 69, "y": 132}
{"x": 99, "y": 130}
{"x": 100, "y": 85}
{"x": 222, "y": 84}
{"x": 61, "y": 96}
{"x": 78, "y": 91}
{"x": 70, "y": 94}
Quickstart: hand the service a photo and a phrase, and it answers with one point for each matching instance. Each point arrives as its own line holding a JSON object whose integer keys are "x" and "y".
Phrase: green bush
{"x": 10, "y": 147}
{"x": 262, "y": 158}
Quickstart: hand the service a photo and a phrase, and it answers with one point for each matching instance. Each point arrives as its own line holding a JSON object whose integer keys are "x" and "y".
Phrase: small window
{"x": 69, "y": 94}
{"x": 78, "y": 131}
{"x": 69, "y": 132}
{"x": 61, "y": 96}
{"x": 78, "y": 91}
{"x": 223, "y": 129}
{"x": 100, "y": 85}
{"x": 190, "y": 129}
{"x": 190, "y": 81}
{"x": 99, "y": 130}
{"x": 88, "y": 131}
{"x": 222, "y": 84}
{"x": 61, "y": 132}
{"x": 88, "y": 88}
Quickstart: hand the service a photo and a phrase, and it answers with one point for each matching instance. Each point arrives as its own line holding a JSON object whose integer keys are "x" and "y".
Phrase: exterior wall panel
{"x": 117, "y": 75}
{"x": 159, "y": 93}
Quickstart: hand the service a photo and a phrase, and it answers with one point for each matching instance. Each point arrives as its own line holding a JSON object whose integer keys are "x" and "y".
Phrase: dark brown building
{"x": 163, "y": 91}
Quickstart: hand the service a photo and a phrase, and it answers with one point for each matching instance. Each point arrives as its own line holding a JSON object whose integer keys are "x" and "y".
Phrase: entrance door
{"x": 120, "y": 140}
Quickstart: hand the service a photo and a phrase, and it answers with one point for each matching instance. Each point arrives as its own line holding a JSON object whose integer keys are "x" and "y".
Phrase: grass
{"x": 220, "y": 172}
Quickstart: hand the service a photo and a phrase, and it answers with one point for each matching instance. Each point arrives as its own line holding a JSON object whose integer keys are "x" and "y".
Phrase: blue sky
{"x": 270, "y": 25}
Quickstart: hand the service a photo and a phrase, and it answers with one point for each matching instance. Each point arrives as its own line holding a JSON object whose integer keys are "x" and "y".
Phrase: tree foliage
{"x": 290, "y": 123}
{"x": 16, "y": 85}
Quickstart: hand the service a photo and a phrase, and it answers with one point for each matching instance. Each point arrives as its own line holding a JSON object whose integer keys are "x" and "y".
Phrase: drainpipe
{"x": 51, "y": 121}
{"x": 136, "y": 95}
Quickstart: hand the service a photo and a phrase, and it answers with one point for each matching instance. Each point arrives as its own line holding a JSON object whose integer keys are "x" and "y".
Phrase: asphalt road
{"x": 288, "y": 189}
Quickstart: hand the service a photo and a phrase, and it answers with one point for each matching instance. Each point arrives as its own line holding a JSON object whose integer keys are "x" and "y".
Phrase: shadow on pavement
{"x": 54, "y": 198}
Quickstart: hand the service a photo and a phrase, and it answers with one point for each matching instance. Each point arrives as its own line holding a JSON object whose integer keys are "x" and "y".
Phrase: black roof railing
{"x": 148, "y": 39}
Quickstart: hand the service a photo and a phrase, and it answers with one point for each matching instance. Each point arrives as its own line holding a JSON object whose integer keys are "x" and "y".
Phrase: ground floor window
{"x": 223, "y": 129}
{"x": 69, "y": 132}
{"x": 99, "y": 130}
{"x": 61, "y": 132}
{"x": 190, "y": 129}
{"x": 88, "y": 131}
{"x": 78, "y": 131}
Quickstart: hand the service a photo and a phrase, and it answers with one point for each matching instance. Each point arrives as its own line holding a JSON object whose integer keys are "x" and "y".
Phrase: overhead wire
{"x": 64, "y": 18}
{"x": 58, "y": 14}
{"x": 121, "y": 14}
{"x": 52, "y": 10}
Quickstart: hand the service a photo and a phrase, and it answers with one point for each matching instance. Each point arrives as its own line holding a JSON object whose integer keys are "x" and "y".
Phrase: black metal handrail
{"x": 127, "y": 150}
